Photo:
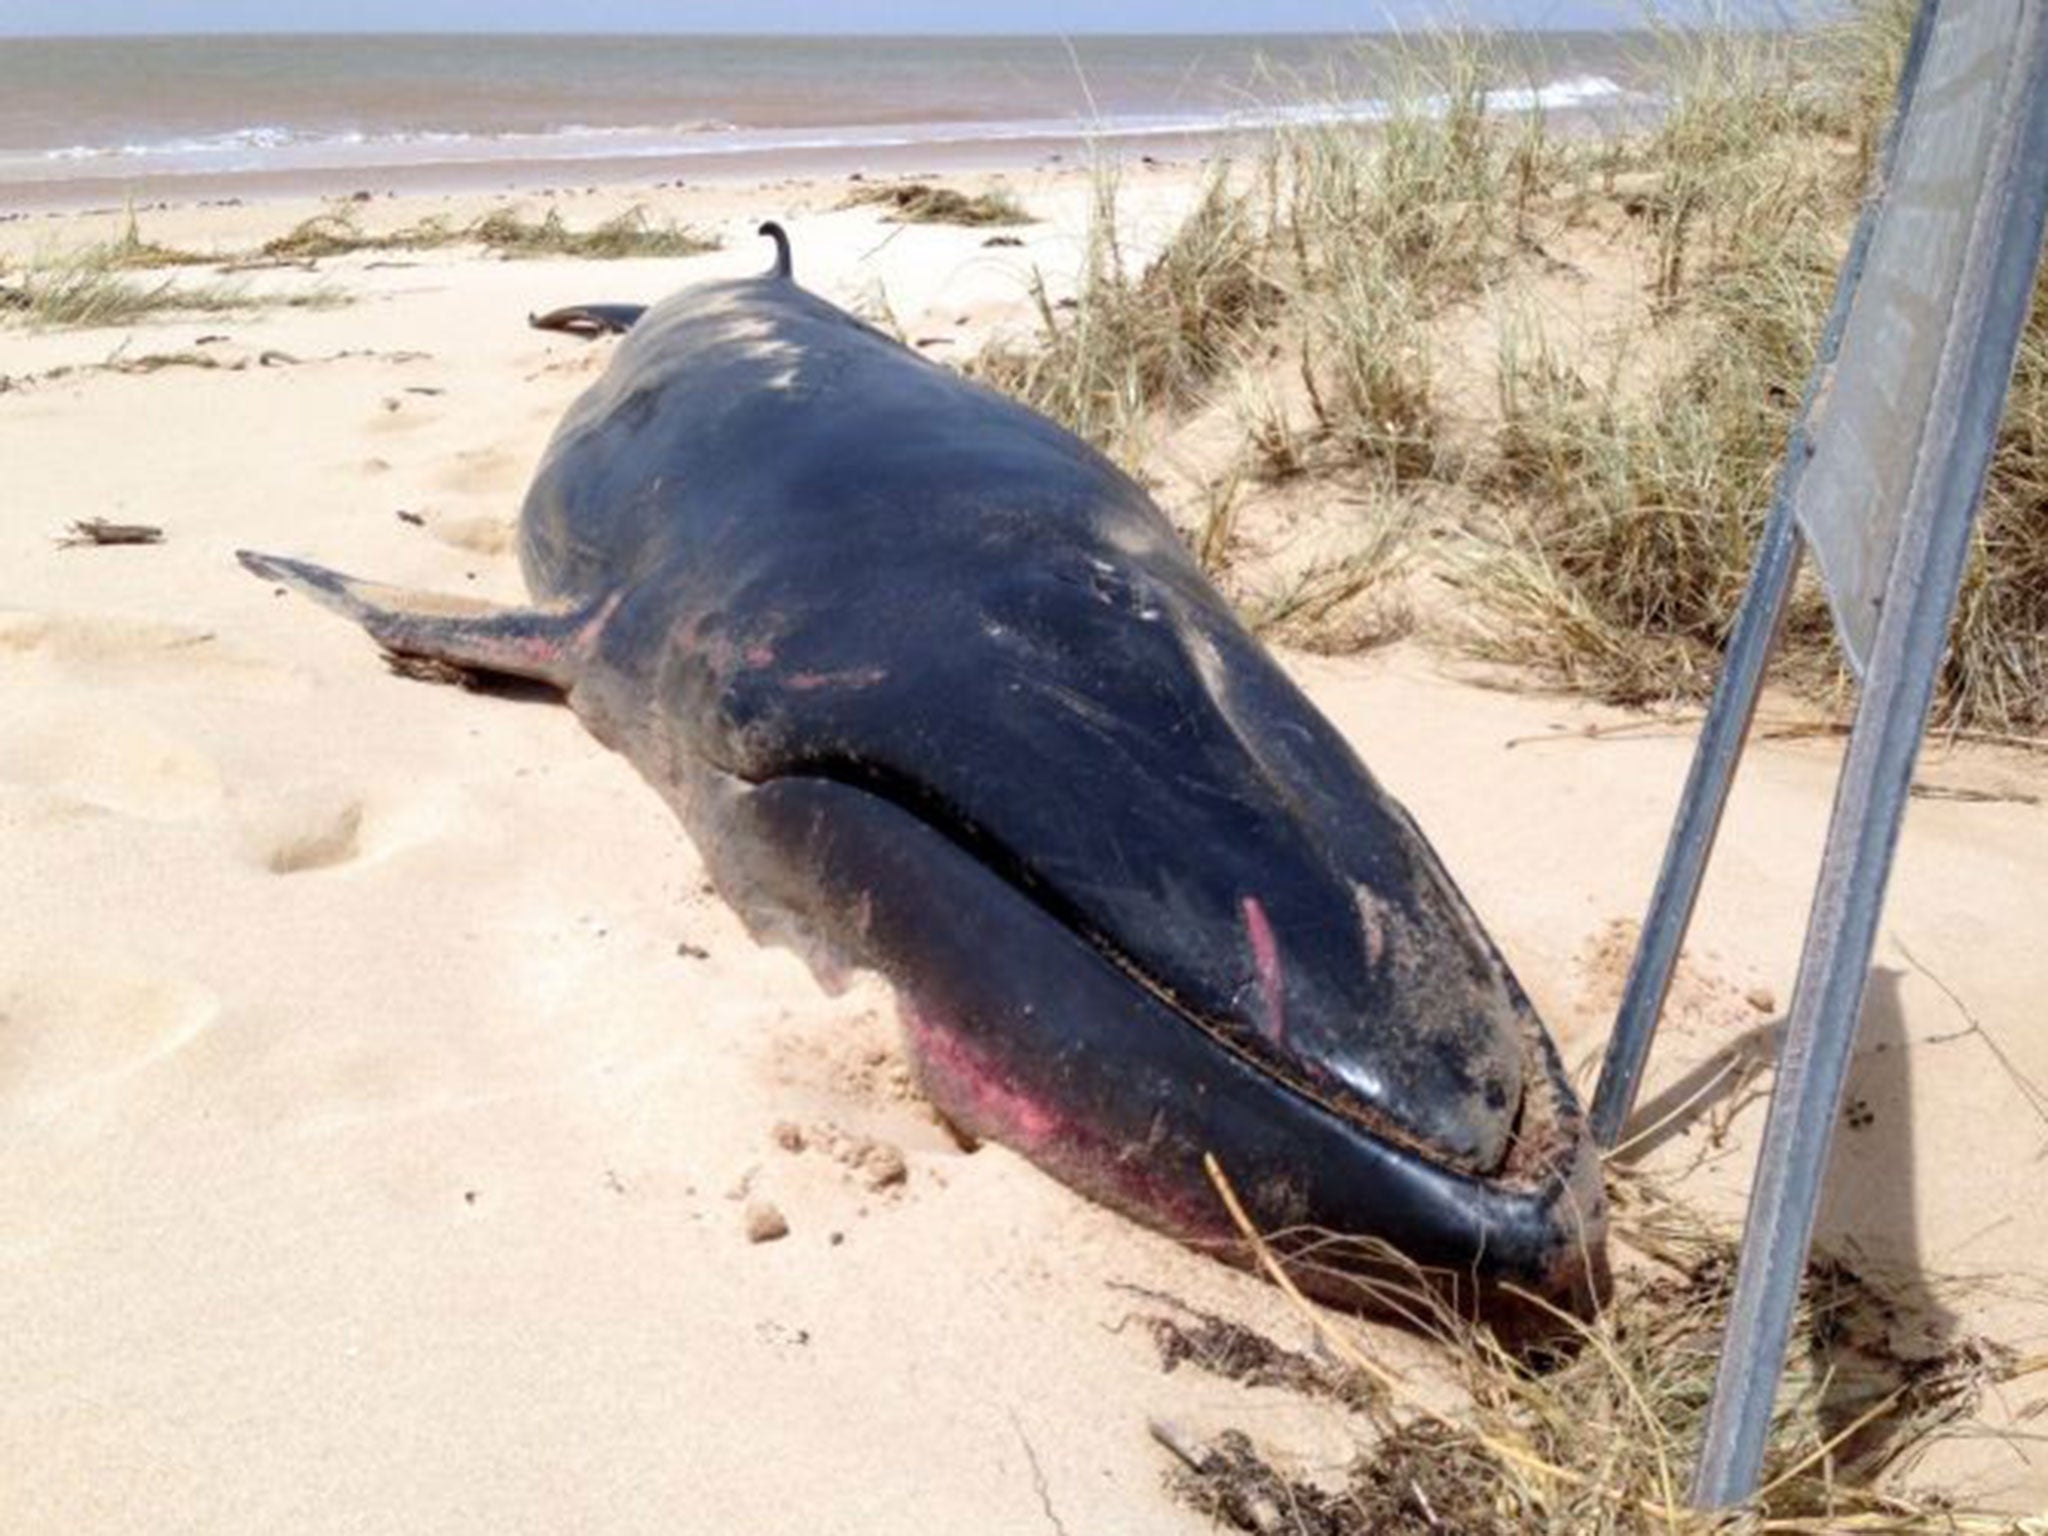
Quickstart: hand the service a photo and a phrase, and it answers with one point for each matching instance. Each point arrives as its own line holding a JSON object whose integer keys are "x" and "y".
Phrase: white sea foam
{"x": 268, "y": 147}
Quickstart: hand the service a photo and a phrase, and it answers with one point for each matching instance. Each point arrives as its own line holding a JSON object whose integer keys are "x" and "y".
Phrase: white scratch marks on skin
{"x": 847, "y": 677}
{"x": 1208, "y": 662}
{"x": 1133, "y": 536}
{"x": 1370, "y": 921}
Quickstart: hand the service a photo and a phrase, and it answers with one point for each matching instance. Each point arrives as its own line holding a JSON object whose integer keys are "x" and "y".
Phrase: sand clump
{"x": 764, "y": 1222}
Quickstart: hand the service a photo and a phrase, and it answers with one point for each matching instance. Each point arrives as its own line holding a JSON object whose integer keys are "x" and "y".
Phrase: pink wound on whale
{"x": 971, "y": 1090}
{"x": 1266, "y": 966}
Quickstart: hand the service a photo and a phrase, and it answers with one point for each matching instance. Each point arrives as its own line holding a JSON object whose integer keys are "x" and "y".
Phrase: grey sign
{"x": 1868, "y": 424}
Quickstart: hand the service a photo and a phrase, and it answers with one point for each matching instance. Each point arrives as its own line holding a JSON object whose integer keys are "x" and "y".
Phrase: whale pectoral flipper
{"x": 589, "y": 319}
{"x": 550, "y": 644}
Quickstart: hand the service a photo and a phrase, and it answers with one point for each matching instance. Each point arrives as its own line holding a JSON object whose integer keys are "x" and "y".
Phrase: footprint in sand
{"x": 295, "y": 831}
{"x": 74, "y": 739}
{"x": 67, "y": 1031}
{"x": 115, "y": 761}
{"x": 323, "y": 844}
{"x": 107, "y": 649}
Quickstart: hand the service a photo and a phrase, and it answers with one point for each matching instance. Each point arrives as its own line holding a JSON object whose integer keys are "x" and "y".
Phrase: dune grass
{"x": 623, "y": 235}
{"x": 1337, "y": 243}
{"x": 130, "y": 252}
{"x": 1997, "y": 671}
{"x": 338, "y": 232}
{"x": 1629, "y": 517}
{"x": 69, "y": 295}
{"x": 92, "y": 285}
{"x": 1627, "y": 511}
{"x": 1136, "y": 343}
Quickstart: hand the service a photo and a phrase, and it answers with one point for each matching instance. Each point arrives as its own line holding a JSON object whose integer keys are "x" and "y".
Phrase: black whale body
{"x": 936, "y": 685}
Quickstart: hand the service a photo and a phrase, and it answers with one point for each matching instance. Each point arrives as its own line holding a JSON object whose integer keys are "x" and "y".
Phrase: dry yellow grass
{"x": 1597, "y": 1433}
{"x": 339, "y": 232}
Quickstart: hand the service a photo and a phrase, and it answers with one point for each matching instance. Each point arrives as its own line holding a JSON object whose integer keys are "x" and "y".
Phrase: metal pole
{"x": 1699, "y": 808}
{"x": 1955, "y": 452}
{"x": 1726, "y": 727}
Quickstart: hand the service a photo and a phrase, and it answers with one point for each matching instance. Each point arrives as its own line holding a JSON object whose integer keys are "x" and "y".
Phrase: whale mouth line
{"x": 1242, "y": 1039}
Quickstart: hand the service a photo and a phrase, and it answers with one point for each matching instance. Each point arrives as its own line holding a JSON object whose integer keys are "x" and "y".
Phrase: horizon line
{"x": 1759, "y": 23}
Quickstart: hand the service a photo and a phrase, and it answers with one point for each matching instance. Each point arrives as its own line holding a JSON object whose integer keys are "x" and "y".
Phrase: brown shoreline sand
{"x": 382, "y": 1097}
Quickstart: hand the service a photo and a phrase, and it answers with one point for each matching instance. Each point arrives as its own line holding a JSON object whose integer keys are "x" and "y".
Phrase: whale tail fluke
{"x": 783, "y": 266}
{"x": 550, "y": 645}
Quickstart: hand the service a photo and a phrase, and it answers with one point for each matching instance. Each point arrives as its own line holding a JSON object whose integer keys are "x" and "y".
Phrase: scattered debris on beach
{"x": 920, "y": 202}
{"x": 98, "y": 531}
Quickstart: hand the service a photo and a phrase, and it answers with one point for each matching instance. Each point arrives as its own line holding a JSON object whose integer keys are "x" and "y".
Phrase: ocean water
{"x": 113, "y": 114}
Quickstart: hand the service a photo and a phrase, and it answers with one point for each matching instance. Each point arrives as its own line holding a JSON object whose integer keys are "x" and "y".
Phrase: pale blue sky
{"x": 44, "y": 17}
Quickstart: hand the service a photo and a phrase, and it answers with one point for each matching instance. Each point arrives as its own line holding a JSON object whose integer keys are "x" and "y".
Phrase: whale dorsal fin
{"x": 784, "y": 269}
{"x": 550, "y": 644}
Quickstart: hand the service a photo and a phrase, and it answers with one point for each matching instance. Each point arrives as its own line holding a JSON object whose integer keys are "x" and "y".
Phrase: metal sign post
{"x": 1882, "y": 479}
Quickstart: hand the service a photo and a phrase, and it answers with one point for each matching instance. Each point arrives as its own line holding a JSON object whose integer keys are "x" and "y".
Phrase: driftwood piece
{"x": 98, "y": 530}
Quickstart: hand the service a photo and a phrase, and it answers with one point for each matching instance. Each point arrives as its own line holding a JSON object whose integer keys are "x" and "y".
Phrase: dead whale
{"x": 936, "y": 687}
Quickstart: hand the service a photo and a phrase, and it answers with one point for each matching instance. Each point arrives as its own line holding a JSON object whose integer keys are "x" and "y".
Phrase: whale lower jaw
{"x": 1024, "y": 1032}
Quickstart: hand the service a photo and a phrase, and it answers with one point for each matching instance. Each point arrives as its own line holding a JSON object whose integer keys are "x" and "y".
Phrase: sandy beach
{"x": 385, "y": 1098}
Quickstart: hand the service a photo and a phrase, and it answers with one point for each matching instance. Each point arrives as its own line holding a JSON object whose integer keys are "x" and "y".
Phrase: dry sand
{"x": 385, "y": 1102}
